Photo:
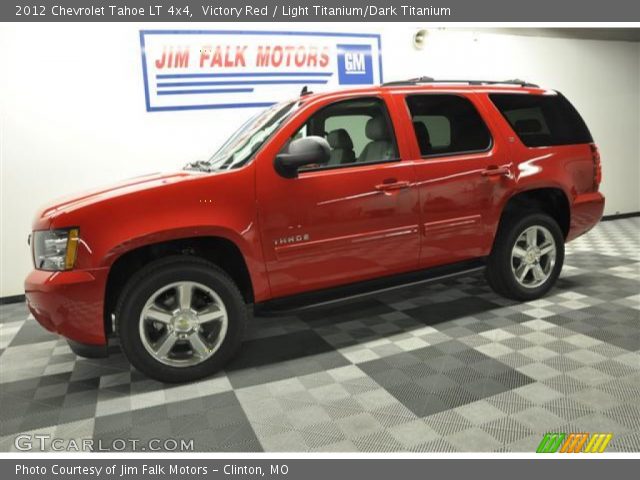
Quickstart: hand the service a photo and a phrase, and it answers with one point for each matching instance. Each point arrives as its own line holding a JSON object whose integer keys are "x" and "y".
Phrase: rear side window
{"x": 542, "y": 120}
{"x": 447, "y": 124}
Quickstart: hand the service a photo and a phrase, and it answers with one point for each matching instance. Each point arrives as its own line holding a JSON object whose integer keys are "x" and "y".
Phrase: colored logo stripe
{"x": 598, "y": 442}
{"x": 574, "y": 443}
{"x": 303, "y": 81}
{"x": 550, "y": 443}
{"x": 201, "y": 91}
{"x": 242, "y": 74}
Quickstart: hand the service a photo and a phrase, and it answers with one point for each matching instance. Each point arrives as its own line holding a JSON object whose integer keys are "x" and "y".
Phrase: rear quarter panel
{"x": 565, "y": 167}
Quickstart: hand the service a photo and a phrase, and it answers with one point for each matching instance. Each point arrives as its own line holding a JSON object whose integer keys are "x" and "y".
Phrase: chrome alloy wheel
{"x": 183, "y": 324}
{"x": 533, "y": 256}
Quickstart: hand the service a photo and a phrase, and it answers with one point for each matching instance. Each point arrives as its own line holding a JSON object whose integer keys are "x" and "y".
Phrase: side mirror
{"x": 303, "y": 151}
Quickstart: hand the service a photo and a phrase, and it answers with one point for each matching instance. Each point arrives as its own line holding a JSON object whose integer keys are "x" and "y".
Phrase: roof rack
{"x": 421, "y": 80}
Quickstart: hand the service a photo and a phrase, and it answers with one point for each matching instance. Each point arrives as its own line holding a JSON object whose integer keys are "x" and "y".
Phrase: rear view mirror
{"x": 302, "y": 151}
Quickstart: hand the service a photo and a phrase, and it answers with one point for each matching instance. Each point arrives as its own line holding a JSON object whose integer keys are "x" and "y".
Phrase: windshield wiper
{"x": 203, "y": 165}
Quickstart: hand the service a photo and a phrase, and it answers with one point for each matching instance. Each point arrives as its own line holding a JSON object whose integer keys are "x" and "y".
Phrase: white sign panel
{"x": 199, "y": 69}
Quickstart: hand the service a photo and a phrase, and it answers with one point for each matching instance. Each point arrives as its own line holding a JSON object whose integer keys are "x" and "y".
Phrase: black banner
{"x": 315, "y": 469}
{"x": 318, "y": 11}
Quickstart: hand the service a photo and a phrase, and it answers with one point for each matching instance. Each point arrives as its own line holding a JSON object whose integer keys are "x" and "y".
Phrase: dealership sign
{"x": 199, "y": 69}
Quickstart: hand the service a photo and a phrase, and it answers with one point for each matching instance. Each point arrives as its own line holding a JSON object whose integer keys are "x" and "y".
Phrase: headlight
{"x": 55, "y": 249}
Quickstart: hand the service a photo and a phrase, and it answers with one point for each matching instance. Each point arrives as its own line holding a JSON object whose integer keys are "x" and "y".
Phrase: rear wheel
{"x": 527, "y": 256}
{"x": 180, "y": 319}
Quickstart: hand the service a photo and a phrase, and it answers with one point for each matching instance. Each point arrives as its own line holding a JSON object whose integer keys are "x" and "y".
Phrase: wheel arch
{"x": 551, "y": 200}
{"x": 219, "y": 250}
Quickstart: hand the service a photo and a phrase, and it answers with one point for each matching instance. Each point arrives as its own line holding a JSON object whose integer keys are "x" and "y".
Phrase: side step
{"x": 345, "y": 293}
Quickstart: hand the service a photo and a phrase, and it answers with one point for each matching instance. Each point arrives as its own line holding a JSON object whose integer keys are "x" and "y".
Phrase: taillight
{"x": 597, "y": 167}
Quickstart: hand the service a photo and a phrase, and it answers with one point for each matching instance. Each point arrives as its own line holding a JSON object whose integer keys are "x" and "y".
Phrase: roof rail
{"x": 421, "y": 80}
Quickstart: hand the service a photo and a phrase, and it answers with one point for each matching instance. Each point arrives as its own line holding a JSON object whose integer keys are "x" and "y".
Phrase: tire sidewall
{"x": 141, "y": 288}
{"x": 515, "y": 229}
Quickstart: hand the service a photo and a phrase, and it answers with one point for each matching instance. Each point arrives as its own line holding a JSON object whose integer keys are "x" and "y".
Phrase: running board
{"x": 345, "y": 293}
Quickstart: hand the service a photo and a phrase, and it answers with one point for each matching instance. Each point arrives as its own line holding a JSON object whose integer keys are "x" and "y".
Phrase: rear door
{"x": 463, "y": 172}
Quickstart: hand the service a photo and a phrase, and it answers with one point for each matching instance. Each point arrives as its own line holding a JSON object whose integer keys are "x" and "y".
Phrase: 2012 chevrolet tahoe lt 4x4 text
{"x": 329, "y": 195}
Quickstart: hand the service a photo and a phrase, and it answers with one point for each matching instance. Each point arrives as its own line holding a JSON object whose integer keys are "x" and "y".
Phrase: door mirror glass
{"x": 301, "y": 152}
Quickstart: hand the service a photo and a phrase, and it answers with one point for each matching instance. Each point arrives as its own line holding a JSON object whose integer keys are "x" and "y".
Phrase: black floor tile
{"x": 431, "y": 393}
{"x": 436, "y": 313}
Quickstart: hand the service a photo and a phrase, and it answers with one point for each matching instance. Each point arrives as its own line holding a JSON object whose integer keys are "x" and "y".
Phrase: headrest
{"x": 340, "y": 139}
{"x": 421, "y": 131}
{"x": 376, "y": 129}
{"x": 530, "y": 125}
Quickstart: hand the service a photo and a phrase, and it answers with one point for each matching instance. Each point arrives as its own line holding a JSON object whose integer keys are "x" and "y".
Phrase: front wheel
{"x": 527, "y": 257}
{"x": 180, "y": 319}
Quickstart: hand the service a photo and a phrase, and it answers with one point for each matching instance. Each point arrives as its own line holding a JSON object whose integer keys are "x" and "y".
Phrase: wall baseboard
{"x": 12, "y": 299}
{"x": 606, "y": 218}
{"x": 620, "y": 216}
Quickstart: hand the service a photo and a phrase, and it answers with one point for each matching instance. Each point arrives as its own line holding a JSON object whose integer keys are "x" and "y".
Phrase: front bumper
{"x": 586, "y": 212}
{"x": 70, "y": 303}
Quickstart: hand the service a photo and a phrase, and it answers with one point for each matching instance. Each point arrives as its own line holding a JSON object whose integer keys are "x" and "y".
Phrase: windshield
{"x": 240, "y": 147}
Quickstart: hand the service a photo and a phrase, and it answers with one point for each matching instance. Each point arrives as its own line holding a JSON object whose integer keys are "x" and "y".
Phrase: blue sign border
{"x": 237, "y": 32}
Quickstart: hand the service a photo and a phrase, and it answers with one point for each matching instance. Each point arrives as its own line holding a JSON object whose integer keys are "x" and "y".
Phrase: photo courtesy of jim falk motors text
{"x": 147, "y": 469}
{"x": 318, "y": 239}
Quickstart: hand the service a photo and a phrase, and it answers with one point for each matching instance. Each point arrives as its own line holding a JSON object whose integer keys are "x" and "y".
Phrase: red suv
{"x": 322, "y": 197}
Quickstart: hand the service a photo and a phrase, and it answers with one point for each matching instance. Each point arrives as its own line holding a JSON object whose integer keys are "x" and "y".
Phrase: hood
{"x": 72, "y": 202}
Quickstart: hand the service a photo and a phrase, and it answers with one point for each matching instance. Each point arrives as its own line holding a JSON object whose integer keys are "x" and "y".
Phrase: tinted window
{"x": 541, "y": 120}
{"x": 359, "y": 131}
{"x": 355, "y": 125}
{"x": 438, "y": 128}
{"x": 447, "y": 124}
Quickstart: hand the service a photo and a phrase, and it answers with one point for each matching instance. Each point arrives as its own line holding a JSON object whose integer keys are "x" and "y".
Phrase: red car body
{"x": 361, "y": 222}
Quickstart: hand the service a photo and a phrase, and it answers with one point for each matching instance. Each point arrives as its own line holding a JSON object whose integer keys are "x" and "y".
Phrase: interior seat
{"x": 528, "y": 126}
{"x": 422, "y": 134}
{"x": 380, "y": 147}
{"x": 341, "y": 147}
{"x": 532, "y": 130}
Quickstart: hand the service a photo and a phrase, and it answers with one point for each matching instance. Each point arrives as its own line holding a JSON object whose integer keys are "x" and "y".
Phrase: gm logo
{"x": 355, "y": 66}
{"x": 574, "y": 443}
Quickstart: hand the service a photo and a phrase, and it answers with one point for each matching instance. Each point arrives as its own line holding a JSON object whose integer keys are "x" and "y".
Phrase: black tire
{"x": 499, "y": 271}
{"x": 153, "y": 277}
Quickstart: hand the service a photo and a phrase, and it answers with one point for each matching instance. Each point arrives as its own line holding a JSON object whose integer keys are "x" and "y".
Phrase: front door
{"x": 352, "y": 219}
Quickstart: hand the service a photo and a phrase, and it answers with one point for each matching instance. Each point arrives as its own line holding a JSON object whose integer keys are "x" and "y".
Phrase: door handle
{"x": 494, "y": 171}
{"x": 386, "y": 187}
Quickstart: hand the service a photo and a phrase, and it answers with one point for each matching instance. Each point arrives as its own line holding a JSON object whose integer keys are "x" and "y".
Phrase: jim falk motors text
{"x": 229, "y": 56}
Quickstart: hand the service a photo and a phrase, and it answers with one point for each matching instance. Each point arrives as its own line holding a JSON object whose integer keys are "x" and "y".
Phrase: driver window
{"x": 299, "y": 134}
{"x": 358, "y": 131}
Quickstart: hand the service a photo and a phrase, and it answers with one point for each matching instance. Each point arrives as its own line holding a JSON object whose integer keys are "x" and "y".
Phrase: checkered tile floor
{"x": 446, "y": 367}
